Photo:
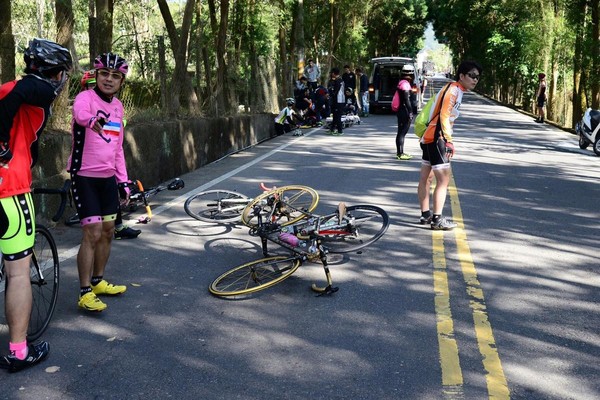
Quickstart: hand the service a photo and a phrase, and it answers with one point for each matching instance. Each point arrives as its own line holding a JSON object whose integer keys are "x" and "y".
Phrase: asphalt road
{"x": 505, "y": 306}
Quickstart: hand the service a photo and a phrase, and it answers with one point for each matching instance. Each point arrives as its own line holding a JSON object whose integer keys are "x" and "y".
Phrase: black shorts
{"x": 96, "y": 199}
{"x": 434, "y": 154}
{"x": 541, "y": 101}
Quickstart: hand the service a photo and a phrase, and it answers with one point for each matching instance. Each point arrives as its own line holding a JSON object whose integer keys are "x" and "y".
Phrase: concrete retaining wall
{"x": 158, "y": 151}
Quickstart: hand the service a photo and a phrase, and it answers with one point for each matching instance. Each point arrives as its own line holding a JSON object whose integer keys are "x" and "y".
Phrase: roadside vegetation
{"x": 215, "y": 58}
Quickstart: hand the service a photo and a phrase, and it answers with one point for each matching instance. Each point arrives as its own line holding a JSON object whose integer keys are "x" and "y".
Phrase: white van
{"x": 385, "y": 75}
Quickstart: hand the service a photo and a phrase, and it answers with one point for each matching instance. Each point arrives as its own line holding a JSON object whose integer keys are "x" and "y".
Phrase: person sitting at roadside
{"x": 351, "y": 102}
{"x": 288, "y": 118}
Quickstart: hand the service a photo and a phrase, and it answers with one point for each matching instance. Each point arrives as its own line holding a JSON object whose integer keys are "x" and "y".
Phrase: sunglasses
{"x": 105, "y": 74}
{"x": 473, "y": 75}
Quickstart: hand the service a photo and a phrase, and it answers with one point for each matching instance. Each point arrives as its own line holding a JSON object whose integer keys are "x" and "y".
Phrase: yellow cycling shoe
{"x": 103, "y": 287}
{"x": 90, "y": 302}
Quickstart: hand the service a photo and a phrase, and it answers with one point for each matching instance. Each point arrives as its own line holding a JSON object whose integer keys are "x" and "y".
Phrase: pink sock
{"x": 19, "y": 350}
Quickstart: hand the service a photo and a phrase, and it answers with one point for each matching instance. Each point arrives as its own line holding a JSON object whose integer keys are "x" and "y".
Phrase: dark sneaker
{"x": 37, "y": 352}
{"x": 424, "y": 220}
{"x": 127, "y": 233}
{"x": 443, "y": 224}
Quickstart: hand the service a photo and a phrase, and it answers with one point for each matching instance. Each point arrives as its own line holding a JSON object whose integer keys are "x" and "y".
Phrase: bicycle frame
{"x": 270, "y": 231}
{"x": 307, "y": 236}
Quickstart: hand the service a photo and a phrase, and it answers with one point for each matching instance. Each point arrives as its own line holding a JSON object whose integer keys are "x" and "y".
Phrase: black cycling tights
{"x": 403, "y": 126}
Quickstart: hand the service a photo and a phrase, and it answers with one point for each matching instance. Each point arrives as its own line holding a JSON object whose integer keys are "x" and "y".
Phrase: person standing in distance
{"x": 438, "y": 147}
{"x": 312, "y": 73}
{"x": 337, "y": 97}
{"x": 24, "y": 111}
{"x": 97, "y": 166}
{"x": 363, "y": 91}
{"x": 349, "y": 77}
{"x": 405, "y": 110}
{"x": 540, "y": 97}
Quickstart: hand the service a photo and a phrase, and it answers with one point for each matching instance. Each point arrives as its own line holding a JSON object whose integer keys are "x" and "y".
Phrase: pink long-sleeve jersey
{"x": 97, "y": 155}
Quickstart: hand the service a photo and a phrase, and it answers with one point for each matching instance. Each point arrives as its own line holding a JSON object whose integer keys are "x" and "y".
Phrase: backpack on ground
{"x": 422, "y": 120}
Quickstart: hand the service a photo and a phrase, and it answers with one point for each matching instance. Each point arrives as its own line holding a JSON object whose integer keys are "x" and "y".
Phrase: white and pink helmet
{"x": 111, "y": 61}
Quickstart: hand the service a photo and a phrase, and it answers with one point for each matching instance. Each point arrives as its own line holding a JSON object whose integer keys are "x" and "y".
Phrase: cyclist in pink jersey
{"x": 405, "y": 110}
{"x": 438, "y": 147}
{"x": 97, "y": 166}
{"x": 122, "y": 231}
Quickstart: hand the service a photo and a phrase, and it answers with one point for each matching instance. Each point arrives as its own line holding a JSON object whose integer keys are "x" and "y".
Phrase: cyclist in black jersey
{"x": 24, "y": 110}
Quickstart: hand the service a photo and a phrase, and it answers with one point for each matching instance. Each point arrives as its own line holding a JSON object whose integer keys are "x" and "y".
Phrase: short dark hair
{"x": 310, "y": 59}
{"x": 335, "y": 70}
{"x": 467, "y": 66}
{"x": 358, "y": 70}
{"x": 347, "y": 66}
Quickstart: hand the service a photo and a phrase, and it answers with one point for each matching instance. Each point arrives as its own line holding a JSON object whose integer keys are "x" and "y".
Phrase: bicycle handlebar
{"x": 64, "y": 191}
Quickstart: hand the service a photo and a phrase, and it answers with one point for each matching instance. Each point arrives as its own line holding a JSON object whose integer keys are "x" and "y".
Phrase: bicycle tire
{"x": 254, "y": 276}
{"x": 44, "y": 288}
{"x": 297, "y": 199}
{"x": 362, "y": 225}
{"x": 213, "y": 206}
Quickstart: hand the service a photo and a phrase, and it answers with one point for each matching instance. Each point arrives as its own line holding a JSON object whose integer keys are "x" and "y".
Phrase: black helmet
{"x": 44, "y": 59}
{"x": 43, "y": 55}
{"x": 290, "y": 101}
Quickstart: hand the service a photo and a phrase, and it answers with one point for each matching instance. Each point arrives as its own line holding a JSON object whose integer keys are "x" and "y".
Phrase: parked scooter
{"x": 589, "y": 130}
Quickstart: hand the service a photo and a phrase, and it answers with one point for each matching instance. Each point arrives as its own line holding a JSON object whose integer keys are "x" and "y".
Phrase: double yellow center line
{"x": 452, "y": 379}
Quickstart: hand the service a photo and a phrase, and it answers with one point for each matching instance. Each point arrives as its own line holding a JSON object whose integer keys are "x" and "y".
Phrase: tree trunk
{"x": 221, "y": 91}
{"x": 138, "y": 48}
{"x": 65, "y": 25}
{"x": 162, "y": 73}
{"x": 64, "y": 28}
{"x": 169, "y": 24}
{"x": 92, "y": 26}
{"x": 7, "y": 43}
{"x": 595, "y": 56}
{"x": 578, "y": 62}
{"x": 104, "y": 25}
{"x": 300, "y": 50}
{"x": 202, "y": 58}
{"x": 180, "y": 83}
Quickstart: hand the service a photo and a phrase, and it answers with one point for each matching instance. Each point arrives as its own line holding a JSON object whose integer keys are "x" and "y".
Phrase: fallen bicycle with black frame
{"x": 311, "y": 238}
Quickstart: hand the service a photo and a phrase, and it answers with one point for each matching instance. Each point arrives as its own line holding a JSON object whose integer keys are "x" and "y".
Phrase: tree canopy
{"x": 208, "y": 57}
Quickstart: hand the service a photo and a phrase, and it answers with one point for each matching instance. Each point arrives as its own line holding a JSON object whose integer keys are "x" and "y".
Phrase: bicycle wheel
{"x": 295, "y": 202}
{"x": 219, "y": 206}
{"x": 44, "y": 274}
{"x": 254, "y": 276}
{"x": 360, "y": 226}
